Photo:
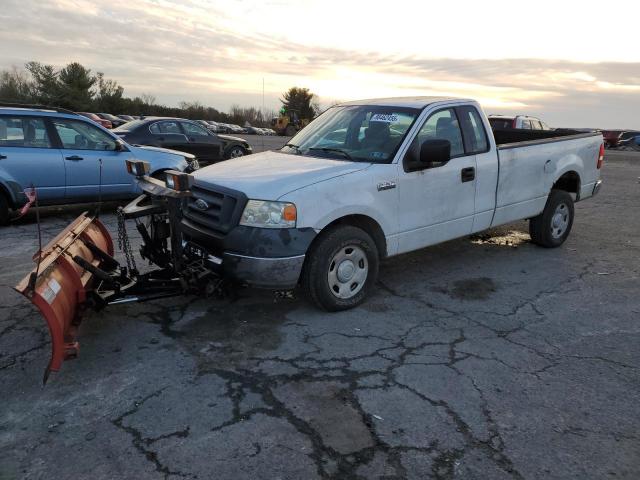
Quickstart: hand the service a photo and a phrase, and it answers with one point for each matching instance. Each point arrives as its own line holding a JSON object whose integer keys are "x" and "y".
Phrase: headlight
{"x": 263, "y": 214}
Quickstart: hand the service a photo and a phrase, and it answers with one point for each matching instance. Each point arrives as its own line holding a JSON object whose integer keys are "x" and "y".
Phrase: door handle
{"x": 73, "y": 157}
{"x": 467, "y": 174}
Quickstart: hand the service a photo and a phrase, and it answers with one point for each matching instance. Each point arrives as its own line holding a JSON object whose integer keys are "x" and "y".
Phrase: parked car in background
{"x": 115, "y": 121}
{"x": 629, "y": 140}
{"x": 254, "y": 131}
{"x": 126, "y": 118}
{"x": 97, "y": 119}
{"x": 68, "y": 158}
{"x": 207, "y": 124}
{"x": 185, "y": 136}
{"x": 611, "y": 138}
{"x": 237, "y": 129}
{"x": 503, "y": 122}
{"x": 213, "y": 126}
{"x": 223, "y": 128}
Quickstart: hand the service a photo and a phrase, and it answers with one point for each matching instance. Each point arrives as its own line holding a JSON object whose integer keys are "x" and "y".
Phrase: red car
{"x": 97, "y": 119}
{"x": 611, "y": 137}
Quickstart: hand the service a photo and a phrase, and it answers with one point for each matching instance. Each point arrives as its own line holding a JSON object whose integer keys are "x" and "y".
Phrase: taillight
{"x": 600, "y": 157}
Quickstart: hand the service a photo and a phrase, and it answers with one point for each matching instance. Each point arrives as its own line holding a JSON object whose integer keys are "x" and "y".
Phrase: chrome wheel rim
{"x": 348, "y": 272}
{"x": 560, "y": 221}
{"x": 236, "y": 152}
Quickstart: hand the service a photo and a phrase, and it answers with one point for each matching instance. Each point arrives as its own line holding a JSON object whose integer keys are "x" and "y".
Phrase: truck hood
{"x": 270, "y": 175}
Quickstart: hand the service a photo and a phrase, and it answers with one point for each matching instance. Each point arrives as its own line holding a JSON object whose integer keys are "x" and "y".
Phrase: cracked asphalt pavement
{"x": 482, "y": 358}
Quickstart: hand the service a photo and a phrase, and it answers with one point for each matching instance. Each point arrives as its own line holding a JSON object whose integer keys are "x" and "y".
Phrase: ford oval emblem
{"x": 201, "y": 205}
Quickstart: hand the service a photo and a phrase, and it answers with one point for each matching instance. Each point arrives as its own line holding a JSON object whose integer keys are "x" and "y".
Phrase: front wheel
{"x": 552, "y": 227}
{"x": 340, "y": 269}
{"x": 235, "y": 152}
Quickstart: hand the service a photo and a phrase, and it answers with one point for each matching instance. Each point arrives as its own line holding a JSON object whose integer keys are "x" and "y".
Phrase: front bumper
{"x": 275, "y": 273}
{"x": 261, "y": 257}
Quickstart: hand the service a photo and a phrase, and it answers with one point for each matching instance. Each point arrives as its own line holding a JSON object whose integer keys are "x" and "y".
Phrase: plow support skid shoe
{"x": 59, "y": 285}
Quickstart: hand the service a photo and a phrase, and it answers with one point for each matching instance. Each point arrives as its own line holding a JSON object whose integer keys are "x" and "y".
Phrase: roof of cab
{"x": 410, "y": 102}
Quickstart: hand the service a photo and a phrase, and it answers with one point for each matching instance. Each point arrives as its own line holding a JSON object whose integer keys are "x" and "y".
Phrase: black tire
{"x": 290, "y": 131}
{"x": 552, "y": 227}
{"x": 235, "y": 152}
{"x": 4, "y": 210}
{"x": 319, "y": 265}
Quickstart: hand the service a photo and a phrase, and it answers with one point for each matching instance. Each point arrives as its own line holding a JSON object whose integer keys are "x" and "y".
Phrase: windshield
{"x": 364, "y": 133}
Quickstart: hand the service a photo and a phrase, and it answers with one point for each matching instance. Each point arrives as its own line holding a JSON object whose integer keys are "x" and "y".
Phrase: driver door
{"x": 204, "y": 144}
{"x": 438, "y": 203}
{"x": 84, "y": 148}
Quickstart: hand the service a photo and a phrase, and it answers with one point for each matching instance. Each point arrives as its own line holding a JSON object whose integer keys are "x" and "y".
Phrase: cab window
{"x": 193, "y": 129}
{"x": 26, "y": 132}
{"x": 443, "y": 125}
{"x": 166, "y": 126}
{"x": 78, "y": 135}
{"x": 475, "y": 136}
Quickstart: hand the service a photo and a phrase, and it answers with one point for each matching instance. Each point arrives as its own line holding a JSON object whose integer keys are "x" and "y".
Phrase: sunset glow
{"x": 560, "y": 62}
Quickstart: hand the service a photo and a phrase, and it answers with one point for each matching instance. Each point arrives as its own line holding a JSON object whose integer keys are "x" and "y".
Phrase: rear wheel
{"x": 4, "y": 210}
{"x": 341, "y": 268}
{"x": 552, "y": 227}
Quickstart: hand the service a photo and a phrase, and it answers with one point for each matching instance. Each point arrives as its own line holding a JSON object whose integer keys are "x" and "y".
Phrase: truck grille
{"x": 215, "y": 209}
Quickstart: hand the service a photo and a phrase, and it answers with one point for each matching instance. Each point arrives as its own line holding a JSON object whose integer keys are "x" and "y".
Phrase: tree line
{"x": 77, "y": 88}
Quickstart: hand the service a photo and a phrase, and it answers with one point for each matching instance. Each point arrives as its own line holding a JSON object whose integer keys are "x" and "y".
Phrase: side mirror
{"x": 435, "y": 152}
{"x": 119, "y": 146}
{"x": 432, "y": 153}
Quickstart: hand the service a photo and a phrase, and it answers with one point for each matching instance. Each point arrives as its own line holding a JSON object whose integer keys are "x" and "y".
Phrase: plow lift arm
{"x": 77, "y": 269}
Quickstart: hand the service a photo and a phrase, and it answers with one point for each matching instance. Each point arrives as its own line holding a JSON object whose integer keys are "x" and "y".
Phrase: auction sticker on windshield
{"x": 385, "y": 117}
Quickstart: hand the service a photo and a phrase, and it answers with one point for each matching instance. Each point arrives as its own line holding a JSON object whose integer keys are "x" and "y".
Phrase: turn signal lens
{"x": 289, "y": 213}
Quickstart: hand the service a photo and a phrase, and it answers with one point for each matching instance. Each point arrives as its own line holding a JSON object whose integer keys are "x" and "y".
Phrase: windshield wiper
{"x": 295, "y": 147}
{"x": 328, "y": 149}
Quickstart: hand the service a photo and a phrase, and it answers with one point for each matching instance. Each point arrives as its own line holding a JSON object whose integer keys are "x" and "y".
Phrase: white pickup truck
{"x": 376, "y": 178}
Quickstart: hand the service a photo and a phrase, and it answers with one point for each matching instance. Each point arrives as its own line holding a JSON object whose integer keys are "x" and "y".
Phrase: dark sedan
{"x": 185, "y": 136}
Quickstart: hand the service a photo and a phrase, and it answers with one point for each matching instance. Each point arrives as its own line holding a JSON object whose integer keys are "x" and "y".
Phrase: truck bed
{"x": 510, "y": 138}
{"x": 531, "y": 161}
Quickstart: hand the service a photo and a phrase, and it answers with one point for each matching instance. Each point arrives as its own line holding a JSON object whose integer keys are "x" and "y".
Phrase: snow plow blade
{"x": 62, "y": 279}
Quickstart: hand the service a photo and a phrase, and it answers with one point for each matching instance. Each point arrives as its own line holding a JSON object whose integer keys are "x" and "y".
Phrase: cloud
{"x": 198, "y": 50}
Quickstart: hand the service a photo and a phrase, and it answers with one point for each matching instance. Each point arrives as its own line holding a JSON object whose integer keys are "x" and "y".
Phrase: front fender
{"x": 13, "y": 190}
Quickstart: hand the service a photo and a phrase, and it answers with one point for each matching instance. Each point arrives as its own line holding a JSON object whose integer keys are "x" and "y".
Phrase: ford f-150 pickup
{"x": 375, "y": 178}
{"x": 364, "y": 181}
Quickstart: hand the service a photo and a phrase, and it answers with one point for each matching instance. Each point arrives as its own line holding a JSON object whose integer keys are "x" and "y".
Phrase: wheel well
{"x": 569, "y": 182}
{"x": 159, "y": 172}
{"x": 367, "y": 224}
{"x": 5, "y": 193}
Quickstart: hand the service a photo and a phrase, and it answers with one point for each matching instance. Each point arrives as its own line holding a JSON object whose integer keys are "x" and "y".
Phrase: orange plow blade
{"x": 59, "y": 285}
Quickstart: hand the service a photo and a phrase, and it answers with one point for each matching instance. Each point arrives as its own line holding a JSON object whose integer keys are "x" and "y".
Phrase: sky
{"x": 571, "y": 63}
